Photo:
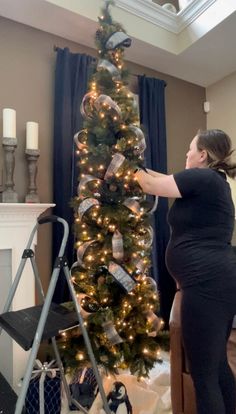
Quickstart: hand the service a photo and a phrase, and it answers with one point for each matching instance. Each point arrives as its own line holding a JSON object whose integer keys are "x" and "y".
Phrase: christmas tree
{"x": 119, "y": 299}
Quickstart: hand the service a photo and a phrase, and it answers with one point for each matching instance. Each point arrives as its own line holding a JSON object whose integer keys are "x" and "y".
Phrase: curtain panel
{"x": 71, "y": 79}
{"x": 152, "y": 118}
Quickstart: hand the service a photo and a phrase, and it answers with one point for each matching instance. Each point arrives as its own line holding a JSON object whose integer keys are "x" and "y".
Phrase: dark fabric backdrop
{"x": 152, "y": 117}
{"x": 71, "y": 79}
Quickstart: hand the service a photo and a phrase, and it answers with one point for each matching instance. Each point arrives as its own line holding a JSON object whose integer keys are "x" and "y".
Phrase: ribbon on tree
{"x": 87, "y": 304}
{"x": 132, "y": 204}
{"x": 111, "y": 333}
{"x": 86, "y": 179}
{"x": 114, "y": 165}
{"x": 154, "y": 207}
{"x": 105, "y": 100}
{"x": 43, "y": 370}
{"x": 74, "y": 266}
{"x": 78, "y": 137}
{"x": 112, "y": 69}
{"x": 81, "y": 250}
{"x": 155, "y": 323}
{"x": 134, "y": 99}
{"x": 86, "y": 204}
{"x": 151, "y": 282}
{"x": 146, "y": 234}
{"x": 87, "y": 104}
{"x": 141, "y": 142}
{"x": 140, "y": 265}
{"x": 121, "y": 276}
{"x": 117, "y": 245}
{"x": 118, "y": 39}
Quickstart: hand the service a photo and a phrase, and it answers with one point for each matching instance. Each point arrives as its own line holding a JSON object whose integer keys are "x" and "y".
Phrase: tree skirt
{"x": 150, "y": 396}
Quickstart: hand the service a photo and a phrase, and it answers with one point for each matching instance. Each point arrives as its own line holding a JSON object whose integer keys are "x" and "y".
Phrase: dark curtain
{"x": 71, "y": 78}
{"x": 152, "y": 117}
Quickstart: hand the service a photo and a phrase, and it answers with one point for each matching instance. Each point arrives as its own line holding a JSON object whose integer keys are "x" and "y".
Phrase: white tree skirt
{"x": 150, "y": 396}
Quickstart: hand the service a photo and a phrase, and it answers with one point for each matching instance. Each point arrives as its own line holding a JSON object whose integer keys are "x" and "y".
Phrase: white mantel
{"x": 16, "y": 223}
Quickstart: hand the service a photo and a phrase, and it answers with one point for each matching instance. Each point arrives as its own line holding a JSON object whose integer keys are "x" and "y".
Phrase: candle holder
{"x": 32, "y": 158}
{"x": 9, "y": 146}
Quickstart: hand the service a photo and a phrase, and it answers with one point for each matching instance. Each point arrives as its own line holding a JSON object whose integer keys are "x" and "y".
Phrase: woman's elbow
{"x": 147, "y": 188}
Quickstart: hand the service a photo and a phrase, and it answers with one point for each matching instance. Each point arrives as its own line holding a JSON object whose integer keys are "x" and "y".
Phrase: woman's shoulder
{"x": 194, "y": 180}
{"x": 196, "y": 173}
{"x": 208, "y": 174}
{"x": 204, "y": 172}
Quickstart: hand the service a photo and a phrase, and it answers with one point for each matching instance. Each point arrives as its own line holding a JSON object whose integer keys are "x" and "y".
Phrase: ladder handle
{"x": 48, "y": 219}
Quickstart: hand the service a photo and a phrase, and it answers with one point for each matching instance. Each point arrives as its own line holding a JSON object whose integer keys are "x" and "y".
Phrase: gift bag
{"x": 83, "y": 387}
{"x": 44, "y": 392}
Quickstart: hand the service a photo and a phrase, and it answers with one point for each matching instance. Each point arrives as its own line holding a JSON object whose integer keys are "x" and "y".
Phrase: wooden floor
{"x": 7, "y": 397}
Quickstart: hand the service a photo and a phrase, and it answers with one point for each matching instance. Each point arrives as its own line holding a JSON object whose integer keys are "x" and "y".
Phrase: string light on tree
{"x": 112, "y": 219}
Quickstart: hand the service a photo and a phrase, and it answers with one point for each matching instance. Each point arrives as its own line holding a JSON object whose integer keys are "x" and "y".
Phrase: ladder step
{"x": 21, "y": 325}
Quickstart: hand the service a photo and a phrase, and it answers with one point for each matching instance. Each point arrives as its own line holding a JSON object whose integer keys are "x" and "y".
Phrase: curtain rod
{"x": 56, "y": 48}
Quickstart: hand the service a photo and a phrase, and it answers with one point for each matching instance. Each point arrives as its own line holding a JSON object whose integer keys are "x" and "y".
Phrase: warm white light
{"x": 80, "y": 356}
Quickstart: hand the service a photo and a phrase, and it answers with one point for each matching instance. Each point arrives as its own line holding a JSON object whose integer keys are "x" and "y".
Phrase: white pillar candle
{"x": 32, "y": 132}
{"x": 9, "y": 123}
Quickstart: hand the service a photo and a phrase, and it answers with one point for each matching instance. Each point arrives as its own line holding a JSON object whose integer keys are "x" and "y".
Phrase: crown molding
{"x": 190, "y": 13}
{"x": 155, "y": 14}
{"x": 151, "y": 12}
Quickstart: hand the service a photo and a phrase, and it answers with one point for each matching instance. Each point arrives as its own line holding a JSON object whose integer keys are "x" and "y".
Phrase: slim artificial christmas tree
{"x": 119, "y": 299}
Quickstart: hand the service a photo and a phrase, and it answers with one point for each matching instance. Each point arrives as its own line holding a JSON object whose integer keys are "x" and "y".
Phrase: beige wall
{"x": 222, "y": 98}
{"x": 184, "y": 114}
{"x": 27, "y": 84}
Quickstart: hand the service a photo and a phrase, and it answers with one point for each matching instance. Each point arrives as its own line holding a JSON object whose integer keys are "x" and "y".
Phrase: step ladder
{"x": 28, "y": 327}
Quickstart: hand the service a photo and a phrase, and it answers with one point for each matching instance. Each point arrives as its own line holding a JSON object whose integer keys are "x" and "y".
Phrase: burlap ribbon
{"x": 117, "y": 245}
{"x": 86, "y": 204}
{"x": 114, "y": 165}
{"x": 125, "y": 280}
{"x": 77, "y": 139}
{"x": 105, "y": 100}
{"x": 81, "y": 251}
{"x": 112, "y": 69}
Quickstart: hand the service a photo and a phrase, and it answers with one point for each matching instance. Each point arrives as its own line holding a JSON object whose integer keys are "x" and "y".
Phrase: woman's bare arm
{"x": 155, "y": 173}
{"x": 159, "y": 184}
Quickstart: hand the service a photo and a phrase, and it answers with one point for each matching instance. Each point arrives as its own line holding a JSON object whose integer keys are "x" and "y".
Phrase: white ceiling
{"x": 204, "y": 62}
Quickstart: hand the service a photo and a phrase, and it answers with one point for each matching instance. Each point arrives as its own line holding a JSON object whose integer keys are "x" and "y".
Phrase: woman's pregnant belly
{"x": 192, "y": 262}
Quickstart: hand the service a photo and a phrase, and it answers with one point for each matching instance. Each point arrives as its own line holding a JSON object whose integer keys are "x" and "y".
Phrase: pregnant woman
{"x": 200, "y": 258}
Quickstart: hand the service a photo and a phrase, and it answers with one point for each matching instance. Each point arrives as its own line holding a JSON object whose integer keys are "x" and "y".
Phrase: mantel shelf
{"x": 21, "y": 211}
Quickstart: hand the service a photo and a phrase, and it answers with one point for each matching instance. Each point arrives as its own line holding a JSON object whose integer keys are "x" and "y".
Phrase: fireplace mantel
{"x": 16, "y": 223}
